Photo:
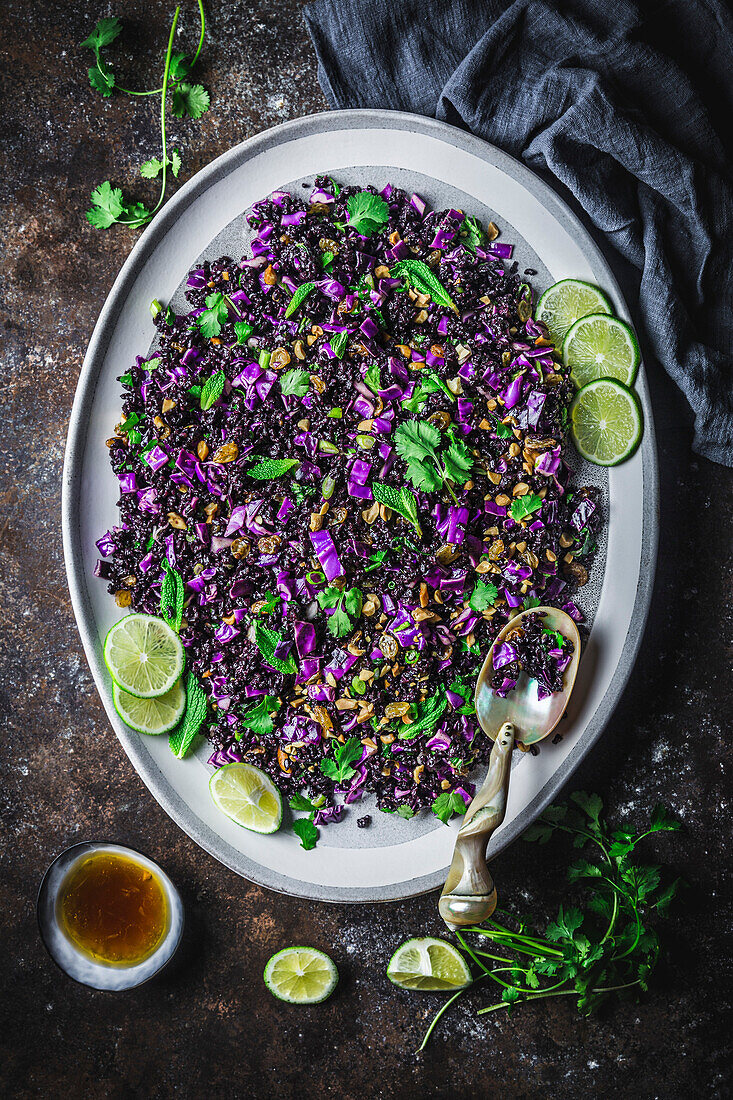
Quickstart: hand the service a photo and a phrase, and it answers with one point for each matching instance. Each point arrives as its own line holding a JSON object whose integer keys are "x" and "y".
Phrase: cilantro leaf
{"x": 180, "y": 66}
{"x": 295, "y": 382}
{"x": 269, "y": 468}
{"x": 182, "y": 737}
{"x": 101, "y": 79}
{"x": 339, "y": 769}
{"x": 483, "y": 596}
{"x": 525, "y": 506}
{"x": 417, "y": 441}
{"x": 307, "y": 832}
{"x": 503, "y": 431}
{"x": 339, "y": 624}
{"x": 447, "y": 804}
{"x": 214, "y": 316}
{"x": 302, "y": 804}
{"x": 662, "y": 821}
{"x": 189, "y": 99}
{"x": 376, "y": 560}
{"x": 368, "y": 213}
{"x": 259, "y": 718}
{"x": 243, "y": 330}
{"x": 212, "y": 390}
{"x": 107, "y": 206}
{"x": 104, "y": 32}
{"x": 458, "y": 461}
{"x": 153, "y": 167}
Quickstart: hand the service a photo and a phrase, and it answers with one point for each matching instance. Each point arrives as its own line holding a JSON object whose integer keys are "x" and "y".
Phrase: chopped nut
{"x": 310, "y": 340}
{"x": 304, "y": 424}
{"x": 346, "y": 704}
{"x": 421, "y": 317}
{"x": 492, "y": 231}
{"x": 370, "y": 514}
{"x": 417, "y": 773}
{"x": 424, "y": 594}
{"x": 404, "y": 350}
{"x": 550, "y": 555}
{"x": 365, "y": 713}
{"x": 483, "y": 567}
{"x": 495, "y": 550}
{"x": 502, "y": 500}
{"x": 228, "y": 452}
{"x": 316, "y": 330}
{"x": 396, "y": 710}
{"x": 177, "y": 521}
{"x": 202, "y": 450}
{"x": 566, "y": 540}
{"x": 230, "y": 620}
{"x": 455, "y": 385}
{"x": 520, "y": 489}
{"x": 316, "y": 522}
{"x": 484, "y": 425}
{"x": 381, "y": 271}
{"x": 299, "y": 349}
{"x": 387, "y": 738}
{"x": 515, "y": 450}
{"x": 210, "y": 510}
{"x": 421, "y": 300}
{"x": 385, "y": 513}
{"x": 445, "y": 784}
{"x": 269, "y": 276}
{"x": 493, "y": 477}
{"x": 168, "y": 405}
{"x": 365, "y": 425}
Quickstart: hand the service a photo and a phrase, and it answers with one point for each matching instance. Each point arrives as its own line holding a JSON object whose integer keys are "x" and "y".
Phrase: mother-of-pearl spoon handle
{"x": 469, "y": 894}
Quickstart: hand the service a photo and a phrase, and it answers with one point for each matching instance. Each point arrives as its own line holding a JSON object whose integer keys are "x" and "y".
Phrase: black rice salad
{"x": 351, "y": 450}
{"x": 534, "y": 648}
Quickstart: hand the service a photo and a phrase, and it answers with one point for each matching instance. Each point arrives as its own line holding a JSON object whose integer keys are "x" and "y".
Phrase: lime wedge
{"x": 428, "y": 964}
{"x": 563, "y": 303}
{"x": 607, "y": 422}
{"x": 150, "y": 715}
{"x": 301, "y": 975}
{"x": 599, "y": 346}
{"x": 247, "y": 796}
{"x": 144, "y": 656}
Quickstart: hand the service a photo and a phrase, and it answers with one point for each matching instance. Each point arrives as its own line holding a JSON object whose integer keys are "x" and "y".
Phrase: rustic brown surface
{"x": 208, "y": 1027}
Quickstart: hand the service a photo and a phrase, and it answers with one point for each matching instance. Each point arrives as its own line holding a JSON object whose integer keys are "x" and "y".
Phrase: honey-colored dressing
{"x": 113, "y": 908}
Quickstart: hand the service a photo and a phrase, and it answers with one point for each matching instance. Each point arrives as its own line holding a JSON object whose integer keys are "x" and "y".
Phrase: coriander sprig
{"x": 430, "y": 466}
{"x": 109, "y": 206}
{"x": 609, "y": 947}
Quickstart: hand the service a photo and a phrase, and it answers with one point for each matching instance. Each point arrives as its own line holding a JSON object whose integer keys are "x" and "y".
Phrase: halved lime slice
{"x": 428, "y": 964}
{"x": 247, "y": 796}
{"x": 607, "y": 422}
{"x": 144, "y": 656}
{"x": 301, "y": 975}
{"x": 565, "y": 302}
{"x": 599, "y": 346}
{"x": 158, "y": 715}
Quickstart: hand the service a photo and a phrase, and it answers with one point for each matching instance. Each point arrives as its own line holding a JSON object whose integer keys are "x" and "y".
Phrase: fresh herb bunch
{"x": 109, "y": 206}
{"x": 605, "y": 948}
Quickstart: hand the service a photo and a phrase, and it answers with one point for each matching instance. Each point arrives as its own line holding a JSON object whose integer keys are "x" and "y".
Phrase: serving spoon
{"x": 469, "y": 894}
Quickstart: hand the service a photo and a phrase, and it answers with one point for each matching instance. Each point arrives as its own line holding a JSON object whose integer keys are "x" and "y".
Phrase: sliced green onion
{"x": 336, "y": 413}
{"x": 411, "y": 656}
{"x": 328, "y": 485}
{"x": 315, "y": 577}
{"x": 155, "y": 308}
{"x": 366, "y": 442}
{"x": 264, "y": 359}
{"x": 327, "y": 447}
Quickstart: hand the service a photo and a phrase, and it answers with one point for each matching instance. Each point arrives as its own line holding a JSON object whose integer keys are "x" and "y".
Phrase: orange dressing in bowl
{"x": 113, "y": 908}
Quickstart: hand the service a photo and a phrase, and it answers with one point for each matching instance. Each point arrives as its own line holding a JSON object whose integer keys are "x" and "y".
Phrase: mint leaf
{"x": 295, "y": 382}
{"x": 212, "y": 390}
{"x": 402, "y": 501}
{"x": 181, "y": 738}
{"x": 373, "y": 377}
{"x": 267, "y": 642}
{"x": 338, "y": 342}
{"x": 429, "y": 714}
{"x": 171, "y": 597}
{"x": 298, "y": 298}
{"x": 272, "y": 467}
{"x": 307, "y": 832}
{"x": 422, "y": 279}
{"x": 368, "y": 213}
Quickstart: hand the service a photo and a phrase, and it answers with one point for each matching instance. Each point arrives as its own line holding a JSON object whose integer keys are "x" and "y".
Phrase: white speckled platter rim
{"x": 166, "y": 250}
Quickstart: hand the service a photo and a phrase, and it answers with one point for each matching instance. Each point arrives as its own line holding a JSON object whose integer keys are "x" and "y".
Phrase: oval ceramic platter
{"x": 393, "y": 858}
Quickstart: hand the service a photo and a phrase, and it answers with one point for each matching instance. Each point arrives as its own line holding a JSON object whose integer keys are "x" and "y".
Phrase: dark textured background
{"x": 208, "y": 1027}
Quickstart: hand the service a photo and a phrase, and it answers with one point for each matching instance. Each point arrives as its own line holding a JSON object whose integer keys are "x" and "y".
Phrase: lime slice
{"x": 428, "y": 964}
{"x": 599, "y": 346}
{"x": 143, "y": 655}
{"x": 151, "y": 715}
{"x": 607, "y": 422}
{"x": 247, "y": 796}
{"x": 563, "y": 303}
{"x": 301, "y": 975}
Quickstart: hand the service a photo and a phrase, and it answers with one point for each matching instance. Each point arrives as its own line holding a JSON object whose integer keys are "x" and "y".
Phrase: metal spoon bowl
{"x": 469, "y": 895}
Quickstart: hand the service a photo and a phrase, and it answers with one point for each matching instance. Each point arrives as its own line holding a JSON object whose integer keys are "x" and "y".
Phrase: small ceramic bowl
{"x": 67, "y": 955}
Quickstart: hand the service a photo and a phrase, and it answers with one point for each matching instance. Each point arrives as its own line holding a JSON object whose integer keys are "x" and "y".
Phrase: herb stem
{"x": 157, "y": 91}
{"x": 439, "y": 1013}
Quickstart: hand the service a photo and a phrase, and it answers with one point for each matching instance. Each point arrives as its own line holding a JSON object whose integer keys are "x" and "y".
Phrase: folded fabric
{"x": 628, "y": 105}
